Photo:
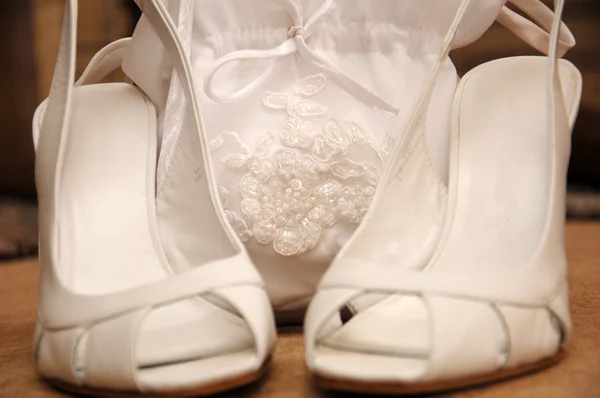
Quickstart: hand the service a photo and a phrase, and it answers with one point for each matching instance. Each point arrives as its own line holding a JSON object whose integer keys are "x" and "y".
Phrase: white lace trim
{"x": 291, "y": 194}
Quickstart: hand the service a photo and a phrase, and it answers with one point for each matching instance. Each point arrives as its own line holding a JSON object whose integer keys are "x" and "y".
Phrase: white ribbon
{"x": 296, "y": 44}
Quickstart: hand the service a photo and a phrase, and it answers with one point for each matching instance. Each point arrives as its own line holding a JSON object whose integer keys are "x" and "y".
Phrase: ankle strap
{"x": 536, "y": 35}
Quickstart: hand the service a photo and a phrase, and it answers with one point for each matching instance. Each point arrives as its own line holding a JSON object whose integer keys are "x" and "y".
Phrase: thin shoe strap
{"x": 53, "y": 133}
{"x": 536, "y": 35}
{"x": 401, "y": 151}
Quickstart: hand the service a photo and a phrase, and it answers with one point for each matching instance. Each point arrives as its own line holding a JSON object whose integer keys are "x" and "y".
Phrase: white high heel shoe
{"x": 137, "y": 296}
{"x": 479, "y": 294}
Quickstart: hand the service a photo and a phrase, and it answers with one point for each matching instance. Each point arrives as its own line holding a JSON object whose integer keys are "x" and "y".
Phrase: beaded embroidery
{"x": 291, "y": 194}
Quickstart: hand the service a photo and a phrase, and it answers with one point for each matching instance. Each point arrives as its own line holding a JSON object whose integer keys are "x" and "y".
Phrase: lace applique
{"x": 290, "y": 195}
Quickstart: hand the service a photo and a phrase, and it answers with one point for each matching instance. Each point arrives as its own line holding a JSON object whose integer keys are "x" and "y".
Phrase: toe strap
{"x": 474, "y": 338}
{"x": 107, "y": 352}
{"x": 63, "y": 309}
{"x": 321, "y": 311}
{"x": 92, "y": 340}
{"x": 100, "y": 355}
{"x": 479, "y": 323}
{"x": 103, "y": 354}
{"x": 468, "y": 337}
{"x": 528, "y": 286}
{"x": 251, "y": 302}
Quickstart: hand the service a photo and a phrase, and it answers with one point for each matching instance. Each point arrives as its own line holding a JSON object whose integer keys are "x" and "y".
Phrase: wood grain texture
{"x": 577, "y": 376}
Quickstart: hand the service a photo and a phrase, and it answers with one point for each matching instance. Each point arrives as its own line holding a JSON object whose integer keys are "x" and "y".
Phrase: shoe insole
{"x": 503, "y": 163}
{"x": 106, "y": 192}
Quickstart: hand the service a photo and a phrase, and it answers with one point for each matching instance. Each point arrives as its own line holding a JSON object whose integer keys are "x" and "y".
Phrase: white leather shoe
{"x": 137, "y": 295}
{"x": 462, "y": 286}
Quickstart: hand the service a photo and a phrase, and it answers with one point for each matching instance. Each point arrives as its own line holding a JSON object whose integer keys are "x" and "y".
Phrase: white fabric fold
{"x": 296, "y": 44}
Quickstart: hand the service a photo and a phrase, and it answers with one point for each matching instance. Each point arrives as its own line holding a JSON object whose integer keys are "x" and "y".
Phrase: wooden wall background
{"x": 17, "y": 97}
{"x": 29, "y": 33}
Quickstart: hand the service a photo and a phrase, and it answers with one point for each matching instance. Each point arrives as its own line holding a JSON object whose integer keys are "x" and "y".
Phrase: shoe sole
{"x": 218, "y": 387}
{"x": 390, "y": 388}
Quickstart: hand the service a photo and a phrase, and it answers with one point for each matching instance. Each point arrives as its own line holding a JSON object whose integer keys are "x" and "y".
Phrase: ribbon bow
{"x": 296, "y": 44}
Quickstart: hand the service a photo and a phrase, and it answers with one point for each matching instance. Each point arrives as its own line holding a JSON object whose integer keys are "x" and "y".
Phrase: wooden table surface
{"x": 578, "y": 376}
